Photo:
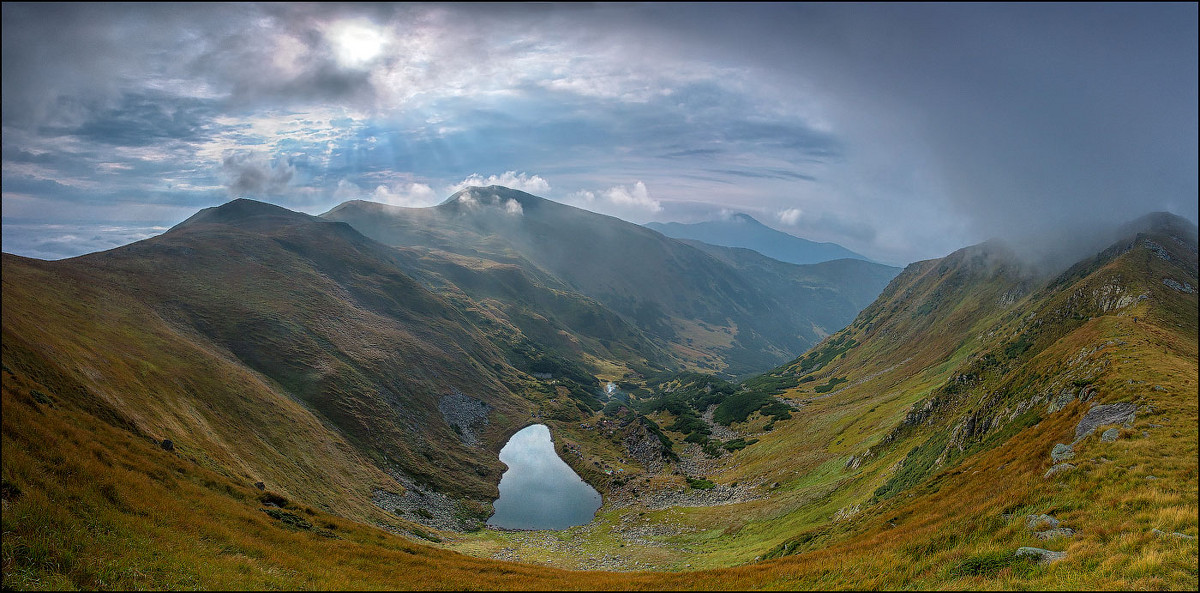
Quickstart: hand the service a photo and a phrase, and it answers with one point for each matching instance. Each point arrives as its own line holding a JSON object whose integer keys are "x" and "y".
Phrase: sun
{"x": 356, "y": 42}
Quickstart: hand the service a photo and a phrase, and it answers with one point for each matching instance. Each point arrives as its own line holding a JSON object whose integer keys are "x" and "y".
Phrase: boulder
{"x": 1033, "y": 522}
{"x": 1110, "y": 435}
{"x": 1161, "y": 533}
{"x": 167, "y": 445}
{"x": 1057, "y": 469}
{"x": 1056, "y": 532}
{"x": 1061, "y": 453}
{"x": 1101, "y": 415}
{"x": 1043, "y": 556}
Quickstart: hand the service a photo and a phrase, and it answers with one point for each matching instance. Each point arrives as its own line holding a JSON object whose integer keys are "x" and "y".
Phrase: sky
{"x": 902, "y": 132}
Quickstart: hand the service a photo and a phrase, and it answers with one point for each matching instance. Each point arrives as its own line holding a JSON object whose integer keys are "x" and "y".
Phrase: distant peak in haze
{"x": 743, "y": 230}
{"x": 512, "y": 200}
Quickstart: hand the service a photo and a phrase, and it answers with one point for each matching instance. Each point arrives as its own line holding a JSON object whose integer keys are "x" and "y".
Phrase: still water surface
{"x": 539, "y": 490}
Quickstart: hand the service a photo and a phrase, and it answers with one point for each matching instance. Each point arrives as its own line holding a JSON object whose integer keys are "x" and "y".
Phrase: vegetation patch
{"x": 829, "y": 385}
{"x": 822, "y": 355}
{"x": 917, "y": 464}
{"x": 989, "y": 564}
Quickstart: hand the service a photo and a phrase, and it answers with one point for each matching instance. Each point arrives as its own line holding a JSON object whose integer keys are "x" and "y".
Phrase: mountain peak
{"x": 493, "y": 195}
{"x": 240, "y": 211}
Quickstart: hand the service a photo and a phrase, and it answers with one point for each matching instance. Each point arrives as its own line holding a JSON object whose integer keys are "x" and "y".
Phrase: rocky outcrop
{"x": 719, "y": 494}
{"x": 1183, "y": 287}
{"x": 1098, "y": 416}
{"x": 427, "y": 506}
{"x": 645, "y": 447}
{"x": 466, "y": 415}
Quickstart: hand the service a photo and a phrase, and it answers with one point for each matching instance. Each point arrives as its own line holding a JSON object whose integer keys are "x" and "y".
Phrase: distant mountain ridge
{"x": 700, "y": 309}
{"x": 742, "y": 230}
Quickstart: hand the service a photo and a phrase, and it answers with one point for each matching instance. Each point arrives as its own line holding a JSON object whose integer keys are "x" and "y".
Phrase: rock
{"x": 1062, "y": 453}
{"x": 1058, "y": 469}
{"x": 1110, "y": 435}
{"x": 260, "y": 485}
{"x": 644, "y": 446}
{"x": 1033, "y": 522}
{"x": 167, "y": 445}
{"x": 1100, "y": 415}
{"x": 1056, "y": 532}
{"x": 1183, "y": 287}
{"x": 1043, "y": 556}
{"x": 465, "y": 415}
{"x": 1176, "y": 534}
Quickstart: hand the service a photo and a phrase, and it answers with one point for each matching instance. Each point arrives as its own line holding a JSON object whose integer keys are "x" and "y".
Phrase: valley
{"x": 259, "y": 398}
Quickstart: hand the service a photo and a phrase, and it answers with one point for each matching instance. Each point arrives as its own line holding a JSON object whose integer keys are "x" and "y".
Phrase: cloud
{"x": 637, "y": 196}
{"x": 532, "y": 184}
{"x": 633, "y": 203}
{"x": 514, "y": 207}
{"x": 407, "y": 194}
{"x": 58, "y": 241}
{"x": 790, "y": 216}
{"x": 253, "y": 174}
{"x": 143, "y": 119}
{"x": 901, "y": 132}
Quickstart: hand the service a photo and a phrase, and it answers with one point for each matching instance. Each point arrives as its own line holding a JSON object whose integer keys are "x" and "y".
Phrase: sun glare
{"x": 356, "y": 43}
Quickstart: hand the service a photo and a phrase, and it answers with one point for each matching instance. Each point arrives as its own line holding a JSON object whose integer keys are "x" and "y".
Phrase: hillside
{"x": 207, "y": 333}
{"x": 919, "y": 438}
{"x": 698, "y": 311}
{"x": 919, "y": 447}
{"x": 742, "y": 230}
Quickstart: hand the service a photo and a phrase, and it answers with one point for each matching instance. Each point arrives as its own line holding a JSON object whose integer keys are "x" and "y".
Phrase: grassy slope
{"x": 901, "y": 362}
{"x": 124, "y": 365}
{"x": 947, "y": 529}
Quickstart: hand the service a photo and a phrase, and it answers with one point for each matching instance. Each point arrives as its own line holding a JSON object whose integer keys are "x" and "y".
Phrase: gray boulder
{"x": 1110, "y": 435}
{"x": 1033, "y": 522}
{"x": 1062, "y": 453}
{"x": 1101, "y": 415}
{"x": 1042, "y": 556}
{"x": 1056, "y": 532}
{"x": 1161, "y": 533}
{"x": 1058, "y": 469}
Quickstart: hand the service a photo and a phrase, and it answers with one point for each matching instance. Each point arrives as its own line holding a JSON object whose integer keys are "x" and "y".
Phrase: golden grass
{"x": 102, "y": 507}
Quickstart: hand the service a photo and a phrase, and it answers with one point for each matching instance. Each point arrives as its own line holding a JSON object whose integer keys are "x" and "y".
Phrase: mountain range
{"x": 259, "y": 398}
{"x": 742, "y": 230}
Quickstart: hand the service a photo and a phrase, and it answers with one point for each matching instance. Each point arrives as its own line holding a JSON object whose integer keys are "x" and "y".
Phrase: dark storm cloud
{"x": 252, "y": 174}
{"x": 1032, "y": 116}
{"x": 141, "y": 119}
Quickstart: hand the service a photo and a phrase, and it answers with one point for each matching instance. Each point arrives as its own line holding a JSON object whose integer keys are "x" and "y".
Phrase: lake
{"x": 539, "y": 490}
